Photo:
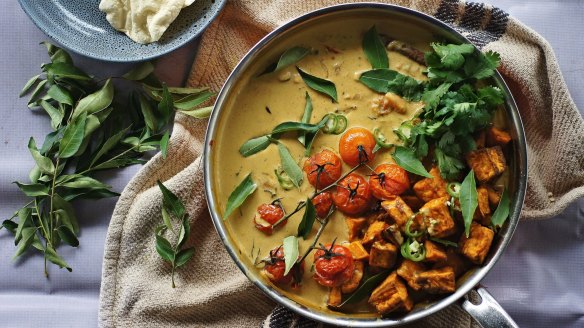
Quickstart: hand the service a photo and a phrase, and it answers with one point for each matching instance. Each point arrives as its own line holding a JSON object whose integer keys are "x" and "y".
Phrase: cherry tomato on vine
{"x": 324, "y": 166}
{"x": 352, "y": 195}
{"x": 266, "y": 215}
{"x": 356, "y": 146}
{"x": 323, "y": 203}
{"x": 388, "y": 180}
{"x": 333, "y": 265}
{"x": 275, "y": 267}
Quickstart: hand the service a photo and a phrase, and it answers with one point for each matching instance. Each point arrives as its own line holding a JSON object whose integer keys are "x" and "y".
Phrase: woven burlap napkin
{"x": 211, "y": 291}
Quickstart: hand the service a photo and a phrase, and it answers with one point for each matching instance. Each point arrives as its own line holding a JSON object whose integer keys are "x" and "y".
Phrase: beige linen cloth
{"x": 211, "y": 291}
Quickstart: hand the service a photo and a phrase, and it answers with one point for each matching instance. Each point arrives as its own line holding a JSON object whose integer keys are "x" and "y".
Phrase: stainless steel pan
{"x": 487, "y": 312}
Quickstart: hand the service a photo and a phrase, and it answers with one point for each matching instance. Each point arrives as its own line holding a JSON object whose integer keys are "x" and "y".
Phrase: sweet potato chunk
{"x": 438, "y": 281}
{"x": 358, "y": 251}
{"x": 496, "y": 137}
{"x": 434, "y": 253}
{"x": 382, "y": 255}
{"x": 351, "y": 285}
{"x": 437, "y": 218}
{"x": 413, "y": 202}
{"x": 458, "y": 263}
{"x": 477, "y": 245}
{"x": 355, "y": 226}
{"x": 494, "y": 197}
{"x": 335, "y": 297}
{"x": 428, "y": 189}
{"x": 391, "y": 295}
{"x": 398, "y": 210}
{"x": 487, "y": 163}
{"x": 374, "y": 232}
{"x": 409, "y": 271}
{"x": 483, "y": 211}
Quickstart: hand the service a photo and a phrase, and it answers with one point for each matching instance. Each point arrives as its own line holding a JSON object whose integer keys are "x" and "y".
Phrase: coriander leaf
{"x": 33, "y": 80}
{"x": 305, "y": 118}
{"x": 204, "y": 112}
{"x": 468, "y": 200}
{"x": 305, "y": 226}
{"x": 452, "y": 55}
{"x": 318, "y": 84}
{"x": 406, "y": 158}
{"x": 44, "y": 163}
{"x": 482, "y": 66}
{"x": 449, "y": 166}
{"x": 164, "y": 144}
{"x": 96, "y": 101}
{"x": 290, "y": 166}
{"x": 492, "y": 96}
{"x": 171, "y": 202}
{"x": 184, "y": 256}
{"x": 164, "y": 248}
{"x": 385, "y": 80}
{"x": 254, "y": 145}
{"x": 239, "y": 195}
{"x": 72, "y": 137}
{"x": 290, "y": 245}
{"x": 52, "y": 256}
{"x": 139, "y": 72}
{"x": 431, "y": 97}
{"x": 502, "y": 212}
{"x": 365, "y": 289}
{"x": 60, "y": 94}
{"x": 33, "y": 189}
{"x": 374, "y": 49}
{"x": 67, "y": 236}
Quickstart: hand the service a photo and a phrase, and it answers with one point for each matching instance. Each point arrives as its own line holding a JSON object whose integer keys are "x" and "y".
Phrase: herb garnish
{"x": 374, "y": 49}
{"x": 305, "y": 226}
{"x": 290, "y": 165}
{"x": 245, "y": 188}
{"x": 176, "y": 255}
{"x": 319, "y": 84}
{"x": 468, "y": 200}
{"x": 502, "y": 212}
{"x": 95, "y": 128}
{"x": 364, "y": 290}
{"x": 289, "y": 57}
{"x": 290, "y": 245}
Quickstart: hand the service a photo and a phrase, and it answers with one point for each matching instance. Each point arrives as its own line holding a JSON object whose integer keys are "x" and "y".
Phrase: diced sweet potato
{"x": 351, "y": 285}
{"x": 434, "y": 253}
{"x": 437, "y": 218}
{"x": 355, "y": 226}
{"x": 483, "y": 211}
{"x": 374, "y": 232}
{"x": 438, "y": 281}
{"x": 458, "y": 263}
{"x": 477, "y": 245}
{"x": 496, "y": 137}
{"x": 398, "y": 210}
{"x": 409, "y": 271}
{"x": 494, "y": 197}
{"x": 335, "y": 297}
{"x": 487, "y": 163}
{"x": 391, "y": 295}
{"x": 428, "y": 189}
{"x": 382, "y": 255}
{"x": 413, "y": 202}
{"x": 358, "y": 251}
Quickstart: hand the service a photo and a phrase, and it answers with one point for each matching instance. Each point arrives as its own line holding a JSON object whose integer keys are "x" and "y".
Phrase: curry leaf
{"x": 305, "y": 118}
{"x": 55, "y": 114}
{"x": 254, "y": 145}
{"x": 293, "y": 126}
{"x": 365, "y": 289}
{"x": 290, "y": 245}
{"x": 33, "y": 189}
{"x": 24, "y": 220}
{"x": 96, "y": 101}
{"x": 52, "y": 256}
{"x": 191, "y": 101}
{"x": 164, "y": 248}
{"x": 110, "y": 143}
{"x": 502, "y": 212}
{"x": 66, "y": 70}
{"x": 305, "y": 226}
{"x": 319, "y": 84}
{"x": 166, "y": 105}
{"x": 184, "y": 256}
{"x": 385, "y": 80}
{"x": 239, "y": 195}
{"x": 374, "y": 49}
{"x": 60, "y": 94}
{"x": 139, "y": 72}
{"x": 287, "y": 58}
{"x": 407, "y": 159}
{"x": 73, "y": 137}
{"x": 171, "y": 201}
{"x": 164, "y": 144}
{"x": 204, "y": 112}
{"x": 26, "y": 240}
{"x": 44, "y": 163}
{"x": 468, "y": 200}
{"x": 29, "y": 85}
{"x": 290, "y": 166}
{"x": 67, "y": 236}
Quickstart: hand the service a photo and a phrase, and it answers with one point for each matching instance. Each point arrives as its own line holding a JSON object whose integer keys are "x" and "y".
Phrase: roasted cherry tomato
{"x": 352, "y": 195}
{"x": 356, "y": 146}
{"x": 388, "y": 180}
{"x": 275, "y": 267}
{"x": 266, "y": 215}
{"x": 325, "y": 167}
{"x": 323, "y": 202}
{"x": 333, "y": 265}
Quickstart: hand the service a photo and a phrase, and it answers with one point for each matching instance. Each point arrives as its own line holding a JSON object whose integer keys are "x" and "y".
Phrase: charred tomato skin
{"x": 352, "y": 195}
{"x": 323, "y": 203}
{"x": 266, "y": 215}
{"x": 276, "y": 267}
{"x": 356, "y": 146}
{"x": 327, "y": 163}
{"x": 388, "y": 180}
{"x": 333, "y": 267}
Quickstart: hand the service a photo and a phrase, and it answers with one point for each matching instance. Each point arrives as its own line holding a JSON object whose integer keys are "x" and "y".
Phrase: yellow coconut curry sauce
{"x": 262, "y": 101}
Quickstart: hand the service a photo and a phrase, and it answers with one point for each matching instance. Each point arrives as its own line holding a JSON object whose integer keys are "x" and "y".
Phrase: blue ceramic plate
{"x": 81, "y": 27}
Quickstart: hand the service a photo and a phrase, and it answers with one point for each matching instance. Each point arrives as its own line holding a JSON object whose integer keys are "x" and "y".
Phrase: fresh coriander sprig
{"x": 95, "y": 127}
{"x": 173, "y": 208}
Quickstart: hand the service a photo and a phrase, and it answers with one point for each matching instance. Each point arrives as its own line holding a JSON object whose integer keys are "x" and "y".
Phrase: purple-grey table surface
{"x": 539, "y": 280}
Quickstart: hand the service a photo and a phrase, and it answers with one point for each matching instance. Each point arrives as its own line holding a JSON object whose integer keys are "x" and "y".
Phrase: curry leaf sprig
{"x": 173, "y": 208}
{"x": 95, "y": 128}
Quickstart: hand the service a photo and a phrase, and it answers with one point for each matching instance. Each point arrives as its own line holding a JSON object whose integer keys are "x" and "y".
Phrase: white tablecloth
{"x": 539, "y": 280}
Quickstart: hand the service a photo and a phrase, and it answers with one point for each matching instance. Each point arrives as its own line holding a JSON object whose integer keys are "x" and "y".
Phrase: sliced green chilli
{"x": 453, "y": 189}
{"x": 380, "y": 139}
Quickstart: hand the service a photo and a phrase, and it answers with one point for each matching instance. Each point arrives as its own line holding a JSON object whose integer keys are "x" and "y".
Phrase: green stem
{"x": 111, "y": 159}
{"x": 318, "y": 234}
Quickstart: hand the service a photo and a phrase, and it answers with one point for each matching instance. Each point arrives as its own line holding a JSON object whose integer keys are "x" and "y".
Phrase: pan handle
{"x": 488, "y": 313}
